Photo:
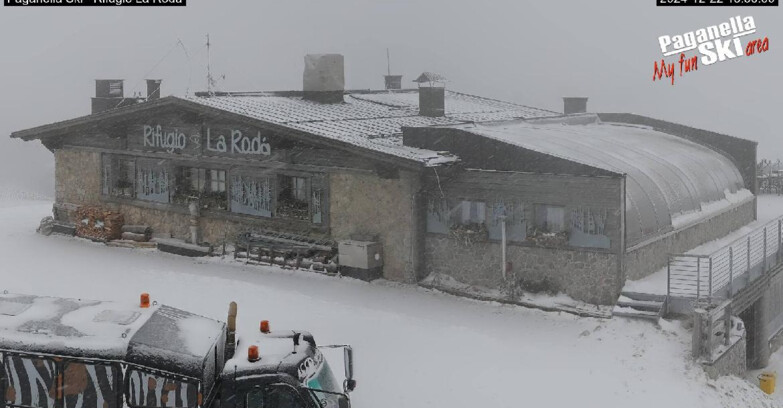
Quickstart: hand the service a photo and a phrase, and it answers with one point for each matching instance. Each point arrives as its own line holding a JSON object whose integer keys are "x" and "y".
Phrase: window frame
{"x": 165, "y": 166}
{"x": 157, "y": 373}
{"x": 283, "y": 178}
{"x": 112, "y": 162}
{"x": 117, "y": 379}
{"x": 545, "y": 227}
{"x": 184, "y": 186}
{"x": 56, "y": 377}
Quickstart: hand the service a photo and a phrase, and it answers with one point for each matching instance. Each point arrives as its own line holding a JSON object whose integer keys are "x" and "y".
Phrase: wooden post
{"x": 503, "y": 246}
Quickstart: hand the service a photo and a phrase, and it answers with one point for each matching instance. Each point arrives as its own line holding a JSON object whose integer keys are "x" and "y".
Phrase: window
{"x": 206, "y": 185}
{"x": 550, "y": 218}
{"x": 587, "y": 228}
{"x": 293, "y": 198}
{"x": 251, "y": 195}
{"x": 470, "y": 212}
{"x": 118, "y": 177}
{"x": 217, "y": 181}
{"x": 157, "y": 391}
{"x": 152, "y": 181}
{"x": 91, "y": 386}
{"x": 30, "y": 382}
{"x": 274, "y": 396}
{"x": 438, "y": 215}
{"x": 516, "y": 225}
{"x": 317, "y": 204}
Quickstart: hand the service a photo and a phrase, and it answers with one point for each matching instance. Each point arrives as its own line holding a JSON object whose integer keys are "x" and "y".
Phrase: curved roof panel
{"x": 666, "y": 175}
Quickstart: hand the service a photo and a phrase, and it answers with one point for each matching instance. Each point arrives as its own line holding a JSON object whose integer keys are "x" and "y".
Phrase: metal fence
{"x": 729, "y": 269}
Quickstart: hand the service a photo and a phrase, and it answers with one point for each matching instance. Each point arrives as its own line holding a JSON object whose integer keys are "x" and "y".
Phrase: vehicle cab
{"x": 283, "y": 369}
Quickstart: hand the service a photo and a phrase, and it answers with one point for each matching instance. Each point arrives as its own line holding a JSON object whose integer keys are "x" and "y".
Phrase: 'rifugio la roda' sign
{"x": 219, "y": 141}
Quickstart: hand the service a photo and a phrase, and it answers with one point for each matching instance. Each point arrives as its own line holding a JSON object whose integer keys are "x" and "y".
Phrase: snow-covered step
{"x": 179, "y": 247}
{"x": 648, "y": 305}
{"x": 635, "y": 313}
{"x": 640, "y": 305}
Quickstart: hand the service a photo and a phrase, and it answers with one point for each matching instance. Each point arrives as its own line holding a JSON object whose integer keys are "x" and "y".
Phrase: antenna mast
{"x": 209, "y": 70}
{"x": 388, "y": 62}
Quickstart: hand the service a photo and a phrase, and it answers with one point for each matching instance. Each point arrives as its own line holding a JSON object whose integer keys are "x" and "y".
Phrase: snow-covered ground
{"x": 414, "y": 347}
{"x": 769, "y": 208}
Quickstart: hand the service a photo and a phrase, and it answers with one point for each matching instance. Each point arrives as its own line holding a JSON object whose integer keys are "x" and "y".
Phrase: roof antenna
{"x": 388, "y": 62}
{"x": 209, "y": 70}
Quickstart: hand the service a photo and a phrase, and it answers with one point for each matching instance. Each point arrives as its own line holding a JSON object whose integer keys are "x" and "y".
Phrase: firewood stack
{"x": 98, "y": 224}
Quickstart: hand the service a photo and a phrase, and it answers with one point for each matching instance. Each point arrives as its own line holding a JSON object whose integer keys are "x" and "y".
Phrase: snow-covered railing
{"x": 729, "y": 269}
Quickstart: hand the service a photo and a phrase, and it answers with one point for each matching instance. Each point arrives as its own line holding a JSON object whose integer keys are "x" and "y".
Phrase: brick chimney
{"x": 324, "y": 78}
{"x": 432, "y": 94}
{"x": 574, "y": 104}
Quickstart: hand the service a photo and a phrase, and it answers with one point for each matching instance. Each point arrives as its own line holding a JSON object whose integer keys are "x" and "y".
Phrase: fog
{"x": 528, "y": 52}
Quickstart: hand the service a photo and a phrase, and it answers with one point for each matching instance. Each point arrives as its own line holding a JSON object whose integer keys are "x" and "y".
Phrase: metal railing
{"x": 729, "y": 269}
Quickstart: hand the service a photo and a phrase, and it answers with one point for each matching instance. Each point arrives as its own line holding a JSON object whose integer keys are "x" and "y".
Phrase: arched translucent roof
{"x": 666, "y": 175}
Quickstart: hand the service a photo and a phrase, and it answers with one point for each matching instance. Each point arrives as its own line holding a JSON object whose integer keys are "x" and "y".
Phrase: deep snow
{"x": 413, "y": 347}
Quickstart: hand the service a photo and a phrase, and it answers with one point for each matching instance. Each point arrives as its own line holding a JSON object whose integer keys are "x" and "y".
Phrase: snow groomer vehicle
{"x": 73, "y": 353}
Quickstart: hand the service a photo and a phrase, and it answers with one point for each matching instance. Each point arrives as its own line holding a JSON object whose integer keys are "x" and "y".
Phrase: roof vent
{"x": 109, "y": 94}
{"x": 324, "y": 78}
{"x": 432, "y": 94}
{"x": 574, "y": 104}
{"x": 153, "y": 89}
{"x": 393, "y": 81}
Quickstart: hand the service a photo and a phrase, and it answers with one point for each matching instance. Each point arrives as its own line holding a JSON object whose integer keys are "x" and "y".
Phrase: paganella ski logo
{"x": 715, "y": 43}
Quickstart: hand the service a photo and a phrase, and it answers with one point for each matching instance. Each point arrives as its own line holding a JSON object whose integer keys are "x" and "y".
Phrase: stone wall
{"x": 732, "y": 362}
{"x": 365, "y": 206}
{"x": 649, "y": 257}
{"x": 584, "y": 275}
{"x": 77, "y": 177}
{"x": 362, "y": 205}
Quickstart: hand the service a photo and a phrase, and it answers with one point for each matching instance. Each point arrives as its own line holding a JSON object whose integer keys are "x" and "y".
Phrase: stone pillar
{"x": 195, "y": 213}
{"x": 762, "y": 329}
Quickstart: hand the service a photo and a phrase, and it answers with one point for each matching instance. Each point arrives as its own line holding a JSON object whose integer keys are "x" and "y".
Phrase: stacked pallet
{"x": 98, "y": 224}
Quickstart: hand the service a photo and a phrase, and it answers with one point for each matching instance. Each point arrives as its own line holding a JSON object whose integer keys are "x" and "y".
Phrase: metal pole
{"x": 764, "y": 265}
{"x": 503, "y": 245}
{"x": 731, "y": 271}
{"x": 727, "y": 326}
{"x": 709, "y": 296}
{"x": 669, "y": 277}
{"x": 779, "y": 240}
{"x": 748, "y": 259}
{"x": 698, "y": 279}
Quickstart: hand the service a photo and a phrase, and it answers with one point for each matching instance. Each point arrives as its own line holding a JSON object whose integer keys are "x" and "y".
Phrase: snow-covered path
{"x": 414, "y": 348}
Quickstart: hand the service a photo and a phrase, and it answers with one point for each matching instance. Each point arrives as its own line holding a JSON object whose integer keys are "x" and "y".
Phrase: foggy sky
{"x": 523, "y": 51}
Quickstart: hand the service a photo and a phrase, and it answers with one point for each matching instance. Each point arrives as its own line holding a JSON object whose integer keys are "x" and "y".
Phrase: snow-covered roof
{"x": 275, "y": 348}
{"x": 159, "y": 337}
{"x": 369, "y": 119}
{"x": 667, "y": 176}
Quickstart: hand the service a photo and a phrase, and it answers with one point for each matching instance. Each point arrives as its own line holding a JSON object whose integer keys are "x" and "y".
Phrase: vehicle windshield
{"x": 324, "y": 388}
{"x": 274, "y": 396}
